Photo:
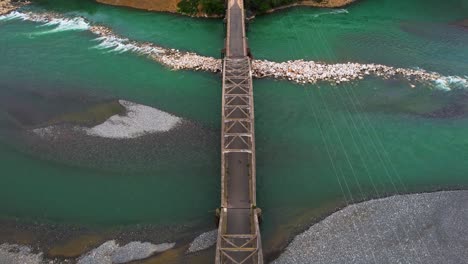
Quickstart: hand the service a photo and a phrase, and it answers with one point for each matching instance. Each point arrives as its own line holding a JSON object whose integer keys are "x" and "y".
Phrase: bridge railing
{"x": 238, "y": 133}
{"x": 238, "y": 248}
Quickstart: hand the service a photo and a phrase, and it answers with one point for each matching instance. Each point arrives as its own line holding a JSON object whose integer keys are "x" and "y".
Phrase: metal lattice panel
{"x": 239, "y": 249}
{"x": 237, "y": 103}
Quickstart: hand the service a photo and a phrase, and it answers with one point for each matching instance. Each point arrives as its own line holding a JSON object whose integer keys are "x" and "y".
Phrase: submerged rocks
{"x": 462, "y": 23}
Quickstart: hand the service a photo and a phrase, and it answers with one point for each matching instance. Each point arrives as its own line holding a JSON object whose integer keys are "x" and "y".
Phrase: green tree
{"x": 189, "y": 7}
{"x": 213, "y": 7}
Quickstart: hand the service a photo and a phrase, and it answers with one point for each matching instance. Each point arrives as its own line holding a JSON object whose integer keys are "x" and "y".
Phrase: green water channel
{"x": 318, "y": 146}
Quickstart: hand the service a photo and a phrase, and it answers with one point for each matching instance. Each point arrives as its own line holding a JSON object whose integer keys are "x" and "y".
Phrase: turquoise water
{"x": 53, "y": 74}
{"x": 399, "y": 33}
{"x": 318, "y": 146}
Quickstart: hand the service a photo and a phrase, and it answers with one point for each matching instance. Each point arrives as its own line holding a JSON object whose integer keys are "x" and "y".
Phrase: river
{"x": 319, "y": 147}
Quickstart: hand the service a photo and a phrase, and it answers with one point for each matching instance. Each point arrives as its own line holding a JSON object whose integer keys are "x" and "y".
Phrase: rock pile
{"x": 299, "y": 71}
{"x": 189, "y": 61}
{"x": 172, "y": 58}
{"x": 7, "y": 6}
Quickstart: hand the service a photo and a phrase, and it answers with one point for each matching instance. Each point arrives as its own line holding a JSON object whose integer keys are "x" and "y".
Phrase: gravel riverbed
{"x": 418, "y": 228}
{"x": 203, "y": 241}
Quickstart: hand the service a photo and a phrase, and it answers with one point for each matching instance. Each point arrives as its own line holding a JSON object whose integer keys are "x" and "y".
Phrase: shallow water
{"x": 318, "y": 146}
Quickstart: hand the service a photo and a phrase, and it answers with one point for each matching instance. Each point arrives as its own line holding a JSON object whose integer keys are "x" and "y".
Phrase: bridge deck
{"x": 236, "y": 40}
{"x": 239, "y": 238}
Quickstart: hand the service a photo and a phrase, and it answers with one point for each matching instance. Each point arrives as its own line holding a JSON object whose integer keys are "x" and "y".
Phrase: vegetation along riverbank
{"x": 214, "y": 8}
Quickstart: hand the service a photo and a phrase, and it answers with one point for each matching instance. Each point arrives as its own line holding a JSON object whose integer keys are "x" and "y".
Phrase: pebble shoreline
{"x": 298, "y": 71}
{"x": 414, "y": 228}
{"x": 109, "y": 252}
{"x": 112, "y": 253}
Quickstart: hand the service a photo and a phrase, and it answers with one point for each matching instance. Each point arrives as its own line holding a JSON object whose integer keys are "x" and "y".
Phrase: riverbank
{"x": 110, "y": 252}
{"x": 171, "y": 6}
{"x": 417, "y": 228}
{"x": 321, "y": 4}
{"x": 426, "y": 228}
{"x": 168, "y": 6}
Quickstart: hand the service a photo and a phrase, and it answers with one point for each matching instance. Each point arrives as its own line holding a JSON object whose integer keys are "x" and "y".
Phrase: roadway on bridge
{"x": 238, "y": 220}
{"x": 236, "y": 28}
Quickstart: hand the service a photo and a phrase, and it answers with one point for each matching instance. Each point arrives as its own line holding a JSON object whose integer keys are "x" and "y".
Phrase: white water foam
{"x": 60, "y": 23}
{"x": 65, "y": 24}
{"x": 13, "y": 15}
{"x": 333, "y": 12}
{"x": 449, "y": 83}
{"x": 115, "y": 44}
{"x": 121, "y": 45}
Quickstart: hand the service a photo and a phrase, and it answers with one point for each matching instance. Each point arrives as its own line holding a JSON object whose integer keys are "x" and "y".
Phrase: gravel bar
{"x": 418, "y": 228}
